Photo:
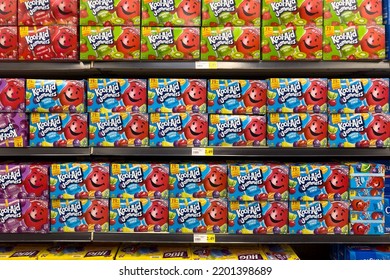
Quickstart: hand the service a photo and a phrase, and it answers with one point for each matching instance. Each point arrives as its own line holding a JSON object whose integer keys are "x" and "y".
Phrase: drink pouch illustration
{"x": 13, "y": 130}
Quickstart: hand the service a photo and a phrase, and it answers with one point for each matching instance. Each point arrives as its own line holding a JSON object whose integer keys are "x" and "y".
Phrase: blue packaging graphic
{"x": 367, "y": 204}
{"x": 381, "y": 252}
{"x": 387, "y": 214}
{"x": 366, "y": 193}
{"x": 363, "y": 227}
{"x": 366, "y": 175}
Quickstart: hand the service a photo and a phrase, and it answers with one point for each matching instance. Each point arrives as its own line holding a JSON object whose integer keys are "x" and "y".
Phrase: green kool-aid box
{"x": 354, "y": 42}
{"x": 291, "y": 43}
{"x": 230, "y": 43}
{"x": 109, "y": 43}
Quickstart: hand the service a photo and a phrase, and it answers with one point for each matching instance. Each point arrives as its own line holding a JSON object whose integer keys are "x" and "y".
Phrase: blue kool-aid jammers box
{"x": 12, "y": 95}
{"x": 297, "y": 95}
{"x": 237, "y": 130}
{"x": 318, "y": 217}
{"x": 117, "y": 95}
{"x": 366, "y": 175}
{"x": 138, "y": 215}
{"x": 178, "y": 130}
{"x": 198, "y": 215}
{"x": 366, "y": 227}
{"x": 55, "y": 96}
{"x": 79, "y": 180}
{"x": 367, "y": 203}
{"x": 138, "y": 180}
{"x": 297, "y": 130}
{"x": 258, "y": 217}
{"x": 118, "y": 129}
{"x": 177, "y": 95}
{"x": 311, "y": 182}
{"x": 236, "y": 96}
{"x": 366, "y": 193}
{"x": 198, "y": 180}
{"x": 358, "y": 95}
{"x": 257, "y": 181}
{"x": 387, "y": 214}
{"x": 58, "y": 130}
{"x": 70, "y": 215}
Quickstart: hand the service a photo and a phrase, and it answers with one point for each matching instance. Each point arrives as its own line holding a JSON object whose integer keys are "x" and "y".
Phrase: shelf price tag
{"x": 202, "y": 151}
{"x": 206, "y": 65}
{"x": 204, "y": 238}
{"x": 18, "y": 141}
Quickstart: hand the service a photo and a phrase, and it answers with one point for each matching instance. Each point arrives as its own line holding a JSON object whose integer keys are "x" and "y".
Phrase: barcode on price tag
{"x": 204, "y": 238}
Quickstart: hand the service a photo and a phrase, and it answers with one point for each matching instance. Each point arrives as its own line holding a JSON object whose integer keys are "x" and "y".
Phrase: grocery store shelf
{"x": 44, "y": 152}
{"x": 46, "y": 237}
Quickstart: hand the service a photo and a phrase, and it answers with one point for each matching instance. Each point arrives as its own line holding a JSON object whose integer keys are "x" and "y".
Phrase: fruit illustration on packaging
{"x": 71, "y": 94}
{"x": 378, "y": 93}
{"x": 316, "y": 129}
{"x": 249, "y": 10}
{"x": 128, "y": 42}
{"x": 255, "y": 130}
{"x": 8, "y": 42}
{"x": 195, "y": 94}
{"x": 188, "y": 41}
{"x": 337, "y": 182}
{"x": 98, "y": 179}
{"x": 135, "y": 94}
{"x": 216, "y": 214}
{"x": 360, "y": 229}
{"x": 373, "y": 41}
{"x": 97, "y": 213}
{"x": 128, "y": 9}
{"x": 137, "y": 128}
{"x": 311, "y": 41}
{"x": 276, "y": 216}
{"x": 188, "y": 10}
{"x": 255, "y": 95}
{"x": 37, "y": 181}
{"x": 337, "y": 216}
{"x": 76, "y": 128}
{"x": 196, "y": 128}
{"x": 62, "y": 10}
{"x": 157, "y": 180}
{"x": 379, "y": 128}
{"x": 316, "y": 94}
{"x": 216, "y": 179}
{"x": 376, "y": 182}
{"x": 248, "y": 42}
{"x": 311, "y": 10}
{"x": 37, "y": 215}
{"x": 157, "y": 214}
{"x": 277, "y": 181}
{"x": 64, "y": 42}
{"x": 12, "y": 95}
{"x": 370, "y": 9}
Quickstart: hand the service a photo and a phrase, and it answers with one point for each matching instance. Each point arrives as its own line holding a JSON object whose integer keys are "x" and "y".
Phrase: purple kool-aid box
{"x": 24, "y": 215}
{"x": 13, "y": 129}
{"x": 12, "y": 95}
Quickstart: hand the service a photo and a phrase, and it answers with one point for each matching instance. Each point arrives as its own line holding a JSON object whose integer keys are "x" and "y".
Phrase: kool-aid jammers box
{"x": 258, "y": 217}
{"x": 236, "y": 96}
{"x": 237, "y": 130}
{"x": 9, "y": 43}
{"x": 47, "y": 12}
{"x": 48, "y": 43}
{"x": 296, "y": 12}
{"x": 58, "y": 130}
{"x": 110, "y": 12}
{"x": 198, "y": 180}
{"x": 55, "y": 96}
{"x": 138, "y": 215}
{"x": 118, "y": 129}
{"x": 367, "y": 223}
{"x": 12, "y": 95}
{"x": 24, "y": 215}
{"x": 9, "y": 13}
{"x": 13, "y": 130}
{"x": 171, "y": 13}
{"x": 297, "y": 130}
{"x": 138, "y": 180}
{"x": 177, "y": 95}
{"x": 365, "y": 175}
{"x": 79, "y": 180}
{"x": 358, "y": 95}
{"x": 109, "y": 43}
{"x": 153, "y": 252}
{"x": 230, "y": 43}
{"x": 318, "y": 217}
{"x": 233, "y": 13}
{"x": 360, "y": 130}
{"x": 258, "y": 181}
{"x": 354, "y": 43}
{"x": 291, "y": 43}
{"x": 117, "y": 95}
{"x": 70, "y": 215}
{"x": 198, "y": 215}
{"x": 178, "y": 130}
{"x": 297, "y": 95}
{"x": 170, "y": 43}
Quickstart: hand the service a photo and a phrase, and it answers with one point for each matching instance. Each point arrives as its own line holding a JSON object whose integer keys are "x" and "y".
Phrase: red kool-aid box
{"x": 8, "y": 12}
{"x": 48, "y": 43}
{"x": 8, "y": 42}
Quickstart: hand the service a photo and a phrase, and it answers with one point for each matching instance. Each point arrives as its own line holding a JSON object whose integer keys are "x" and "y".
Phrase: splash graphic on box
{"x": 237, "y": 96}
{"x": 198, "y": 180}
{"x": 198, "y": 215}
{"x": 78, "y": 251}
{"x": 9, "y": 13}
{"x": 13, "y": 130}
{"x": 358, "y": 95}
{"x": 297, "y": 130}
{"x": 366, "y": 175}
{"x": 24, "y": 215}
{"x": 258, "y": 217}
{"x": 237, "y": 130}
{"x": 8, "y": 42}
{"x": 12, "y": 95}
{"x": 291, "y": 43}
{"x": 153, "y": 252}
{"x": 318, "y": 217}
{"x": 177, "y": 95}
{"x": 109, "y": 43}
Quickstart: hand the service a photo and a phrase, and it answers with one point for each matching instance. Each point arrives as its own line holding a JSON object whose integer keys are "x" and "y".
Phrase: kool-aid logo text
{"x": 231, "y": 126}
{"x": 178, "y": 254}
{"x": 103, "y": 38}
{"x": 189, "y": 177}
{"x": 312, "y": 213}
{"x": 313, "y": 179}
{"x": 13, "y": 211}
{"x": 52, "y": 125}
{"x": 292, "y": 125}
{"x": 287, "y": 38}
{"x": 134, "y": 210}
{"x": 162, "y": 6}
{"x": 253, "y": 178}
{"x": 347, "y": 38}
{"x": 70, "y": 210}
{"x": 225, "y": 38}
{"x": 74, "y": 176}
{"x": 134, "y": 176}
{"x": 193, "y": 210}
{"x": 169, "y": 91}
{"x": 353, "y": 91}
{"x": 41, "y": 38}
{"x": 284, "y": 6}
{"x": 7, "y": 132}
{"x": 162, "y": 38}
{"x": 173, "y": 124}
{"x": 249, "y": 257}
{"x": 100, "y": 5}
{"x": 37, "y": 5}
{"x": 248, "y": 213}
{"x": 110, "y": 125}
{"x": 112, "y": 90}
{"x": 221, "y": 6}
{"x": 45, "y": 91}
{"x": 355, "y": 124}
{"x": 343, "y": 5}
{"x": 10, "y": 178}
{"x": 290, "y": 91}
{"x": 231, "y": 92}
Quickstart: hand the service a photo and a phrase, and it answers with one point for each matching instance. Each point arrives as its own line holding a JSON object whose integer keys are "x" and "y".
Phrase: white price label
{"x": 202, "y": 151}
{"x": 206, "y": 65}
{"x": 204, "y": 238}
